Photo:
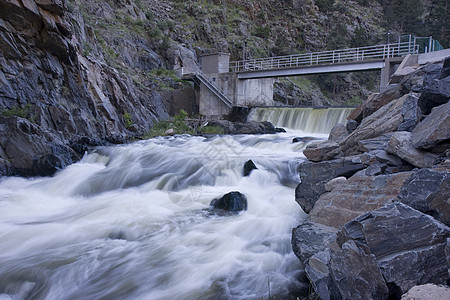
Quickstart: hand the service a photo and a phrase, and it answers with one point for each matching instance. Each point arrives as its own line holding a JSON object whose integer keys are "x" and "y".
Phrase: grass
{"x": 127, "y": 120}
{"x": 177, "y": 123}
{"x": 22, "y": 112}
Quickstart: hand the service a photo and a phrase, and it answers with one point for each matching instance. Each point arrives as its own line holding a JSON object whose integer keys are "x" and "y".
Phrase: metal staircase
{"x": 199, "y": 77}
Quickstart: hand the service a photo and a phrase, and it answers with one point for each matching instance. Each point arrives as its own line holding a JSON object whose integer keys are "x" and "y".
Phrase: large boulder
{"x": 314, "y": 176}
{"x": 376, "y": 101}
{"x": 428, "y": 191}
{"x": 411, "y": 114}
{"x": 436, "y": 93}
{"x": 310, "y": 238}
{"x": 347, "y": 272}
{"x": 386, "y": 119}
{"x": 409, "y": 246}
{"x": 427, "y": 291}
{"x": 359, "y": 194}
{"x": 338, "y": 133}
{"x": 435, "y": 128}
{"x": 232, "y": 201}
{"x": 400, "y": 144}
{"x": 321, "y": 151}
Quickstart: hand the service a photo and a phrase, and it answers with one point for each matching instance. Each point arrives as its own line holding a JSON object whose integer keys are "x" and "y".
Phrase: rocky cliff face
{"x": 61, "y": 90}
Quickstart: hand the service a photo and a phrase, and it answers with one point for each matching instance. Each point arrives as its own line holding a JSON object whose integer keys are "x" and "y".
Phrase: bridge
{"x": 224, "y": 84}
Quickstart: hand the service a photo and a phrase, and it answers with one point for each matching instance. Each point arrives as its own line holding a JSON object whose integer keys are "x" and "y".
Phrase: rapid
{"x": 133, "y": 222}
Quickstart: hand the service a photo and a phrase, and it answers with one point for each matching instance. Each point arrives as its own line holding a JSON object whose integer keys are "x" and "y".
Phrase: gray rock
{"x": 400, "y": 144}
{"x": 321, "y": 151}
{"x": 310, "y": 238}
{"x": 384, "y": 120}
{"x": 351, "y": 126}
{"x": 434, "y": 129}
{"x": 436, "y": 93}
{"x": 409, "y": 246}
{"x": 356, "y": 274}
{"x": 376, "y": 143}
{"x": 428, "y": 191}
{"x": 335, "y": 182}
{"x": 338, "y": 133}
{"x": 318, "y": 271}
{"x": 359, "y": 194}
{"x": 232, "y": 201}
{"x": 390, "y": 159}
{"x": 375, "y": 169}
{"x": 427, "y": 292}
{"x": 445, "y": 68}
{"x": 411, "y": 114}
{"x": 314, "y": 176}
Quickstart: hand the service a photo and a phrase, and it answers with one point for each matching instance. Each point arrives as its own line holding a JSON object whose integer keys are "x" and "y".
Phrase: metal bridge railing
{"x": 326, "y": 57}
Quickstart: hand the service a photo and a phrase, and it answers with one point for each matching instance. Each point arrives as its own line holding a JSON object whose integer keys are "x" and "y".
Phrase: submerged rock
{"x": 249, "y": 166}
{"x": 233, "y": 201}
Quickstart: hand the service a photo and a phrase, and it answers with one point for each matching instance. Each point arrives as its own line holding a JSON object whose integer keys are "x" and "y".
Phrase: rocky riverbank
{"x": 377, "y": 194}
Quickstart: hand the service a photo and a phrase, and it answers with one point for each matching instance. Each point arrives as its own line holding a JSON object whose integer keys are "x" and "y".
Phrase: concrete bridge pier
{"x": 241, "y": 93}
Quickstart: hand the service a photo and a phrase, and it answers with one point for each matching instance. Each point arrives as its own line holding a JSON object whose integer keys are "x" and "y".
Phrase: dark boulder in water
{"x": 304, "y": 139}
{"x": 249, "y": 166}
{"x": 233, "y": 201}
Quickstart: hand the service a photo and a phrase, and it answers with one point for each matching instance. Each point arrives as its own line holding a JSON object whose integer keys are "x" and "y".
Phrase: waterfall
{"x": 314, "y": 120}
{"x": 133, "y": 222}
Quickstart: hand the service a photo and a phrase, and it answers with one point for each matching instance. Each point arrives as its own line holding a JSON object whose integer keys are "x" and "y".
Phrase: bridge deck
{"x": 344, "y": 60}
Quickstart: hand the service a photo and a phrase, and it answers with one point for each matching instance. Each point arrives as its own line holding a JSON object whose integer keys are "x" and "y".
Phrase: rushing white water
{"x": 307, "y": 119}
{"x": 133, "y": 222}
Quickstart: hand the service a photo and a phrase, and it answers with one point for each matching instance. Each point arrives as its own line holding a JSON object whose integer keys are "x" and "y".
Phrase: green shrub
{"x": 177, "y": 123}
{"x": 22, "y": 112}
{"x": 211, "y": 130}
{"x": 127, "y": 120}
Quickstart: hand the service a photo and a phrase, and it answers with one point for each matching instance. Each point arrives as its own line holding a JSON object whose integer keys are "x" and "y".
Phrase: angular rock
{"x": 400, "y": 144}
{"x": 445, "y": 68}
{"x": 335, "y": 182}
{"x": 314, "y": 176}
{"x": 321, "y": 151}
{"x": 428, "y": 191}
{"x": 249, "y": 166}
{"x": 359, "y": 194}
{"x": 409, "y": 246}
{"x": 318, "y": 271}
{"x": 232, "y": 201}
{"x": 434, "y": 129}
{"x": 384, "y": 120}
{"x": 411, "y": 114}
{"x": 436, "y": 93}
{"x": 351, "y": 126}
{"x": 338, "y": 133}
{"x": 390, "y": 159}
{"x": 375, "y": 169}
{"x": 379, "y": 100}
{"x": 356, "y": 274}
{"x": 427, "y": 292}
{"x": 310, "y": 238}
{"x": 376, "y": 143}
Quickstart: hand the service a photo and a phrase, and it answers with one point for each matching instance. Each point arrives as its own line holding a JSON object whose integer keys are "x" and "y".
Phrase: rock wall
{"x": 61, "y": 92}
{"x": 378, "y": 194}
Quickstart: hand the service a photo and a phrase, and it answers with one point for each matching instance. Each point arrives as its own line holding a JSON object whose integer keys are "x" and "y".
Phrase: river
{"x": 133, "y": 222}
